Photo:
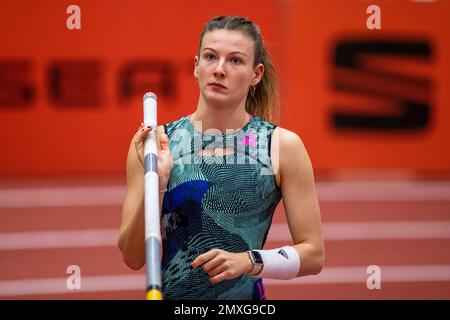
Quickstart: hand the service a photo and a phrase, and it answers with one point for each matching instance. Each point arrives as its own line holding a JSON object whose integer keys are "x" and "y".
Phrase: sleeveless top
{"x": 221, "y": 201}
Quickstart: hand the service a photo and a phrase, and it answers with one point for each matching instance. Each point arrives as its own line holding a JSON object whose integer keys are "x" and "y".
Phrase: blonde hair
{"x": 264, "y": 102}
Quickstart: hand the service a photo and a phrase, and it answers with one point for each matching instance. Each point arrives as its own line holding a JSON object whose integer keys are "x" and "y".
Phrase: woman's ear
{"x": 195, "y": 67}
{"x": 259, "y": 72}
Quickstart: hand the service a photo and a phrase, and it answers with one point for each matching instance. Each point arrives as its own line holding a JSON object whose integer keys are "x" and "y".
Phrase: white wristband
{"x": 282, "y": 263}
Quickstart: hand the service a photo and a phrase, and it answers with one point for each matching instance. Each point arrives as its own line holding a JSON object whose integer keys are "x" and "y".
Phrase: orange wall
{"x": 58, "y": 117}
{"x": 315, "y": 30}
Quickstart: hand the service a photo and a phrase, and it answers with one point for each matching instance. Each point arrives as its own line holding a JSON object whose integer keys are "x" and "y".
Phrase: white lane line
{"x": 358, "y": 274}
{"x": 372, "y": 230}
{"x": 326, "y": 191}
{"x": 58, "y": 285}
{"x": 58, "y": 239}
{"x": 278, "y": 232}
{"x": 331, "y": 275}
{"x": 62, "y": 197}
{"x": 384, "y": 191}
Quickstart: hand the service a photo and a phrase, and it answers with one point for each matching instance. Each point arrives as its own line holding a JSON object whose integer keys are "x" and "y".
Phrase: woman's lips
{"x": 217, "y": 85}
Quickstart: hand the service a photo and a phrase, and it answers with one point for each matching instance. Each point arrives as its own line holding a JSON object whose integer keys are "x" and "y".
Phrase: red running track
{"x": 402, "y": 228}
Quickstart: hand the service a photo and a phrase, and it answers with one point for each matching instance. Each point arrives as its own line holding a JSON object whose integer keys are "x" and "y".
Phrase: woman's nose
{"x": 219, "y": 71}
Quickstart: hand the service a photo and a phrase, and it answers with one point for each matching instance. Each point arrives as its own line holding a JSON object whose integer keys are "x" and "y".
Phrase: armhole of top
{"x": 270, "y": 140}
{"x": 270, "y": 159}
{"x": 164, "y": 196}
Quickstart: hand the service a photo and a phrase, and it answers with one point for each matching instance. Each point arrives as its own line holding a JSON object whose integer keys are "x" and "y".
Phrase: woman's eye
{"x": 236, "y": 60}
{"x": 209, "y": 57}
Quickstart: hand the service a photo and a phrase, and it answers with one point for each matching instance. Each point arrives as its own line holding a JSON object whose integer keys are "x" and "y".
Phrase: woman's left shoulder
{"x": 293, "y": 162}
{"x": 288, "y": 140}
{"x": 288, "y": 154}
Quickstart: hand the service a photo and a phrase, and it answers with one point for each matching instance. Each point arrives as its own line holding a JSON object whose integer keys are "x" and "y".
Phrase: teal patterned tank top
{"x": 223, "y": 201}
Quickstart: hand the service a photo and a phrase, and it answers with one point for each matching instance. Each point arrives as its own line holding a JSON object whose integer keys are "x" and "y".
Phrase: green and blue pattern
{"x": 216, "y": 202}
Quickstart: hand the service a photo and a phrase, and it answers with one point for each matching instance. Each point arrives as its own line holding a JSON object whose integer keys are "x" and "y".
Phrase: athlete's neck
{"x": 220, "y": 118}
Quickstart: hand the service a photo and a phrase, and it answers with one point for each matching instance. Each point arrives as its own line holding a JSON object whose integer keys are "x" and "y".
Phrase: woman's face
{"x": 224, "y": 69}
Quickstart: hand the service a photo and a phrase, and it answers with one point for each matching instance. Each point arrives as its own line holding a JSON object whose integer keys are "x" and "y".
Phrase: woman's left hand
{"x": 222, "y": 265}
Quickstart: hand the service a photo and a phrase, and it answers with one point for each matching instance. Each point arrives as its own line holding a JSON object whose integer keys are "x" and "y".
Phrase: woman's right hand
{"x": 165, "y": 162}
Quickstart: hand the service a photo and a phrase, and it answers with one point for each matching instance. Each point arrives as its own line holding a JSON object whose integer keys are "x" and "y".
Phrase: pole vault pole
{"x": 152, "y": 221}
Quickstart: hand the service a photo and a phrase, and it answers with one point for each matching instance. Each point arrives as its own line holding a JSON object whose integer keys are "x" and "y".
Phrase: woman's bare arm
{"x": 300, "y": 201}
{"x": 132, "y": 229}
